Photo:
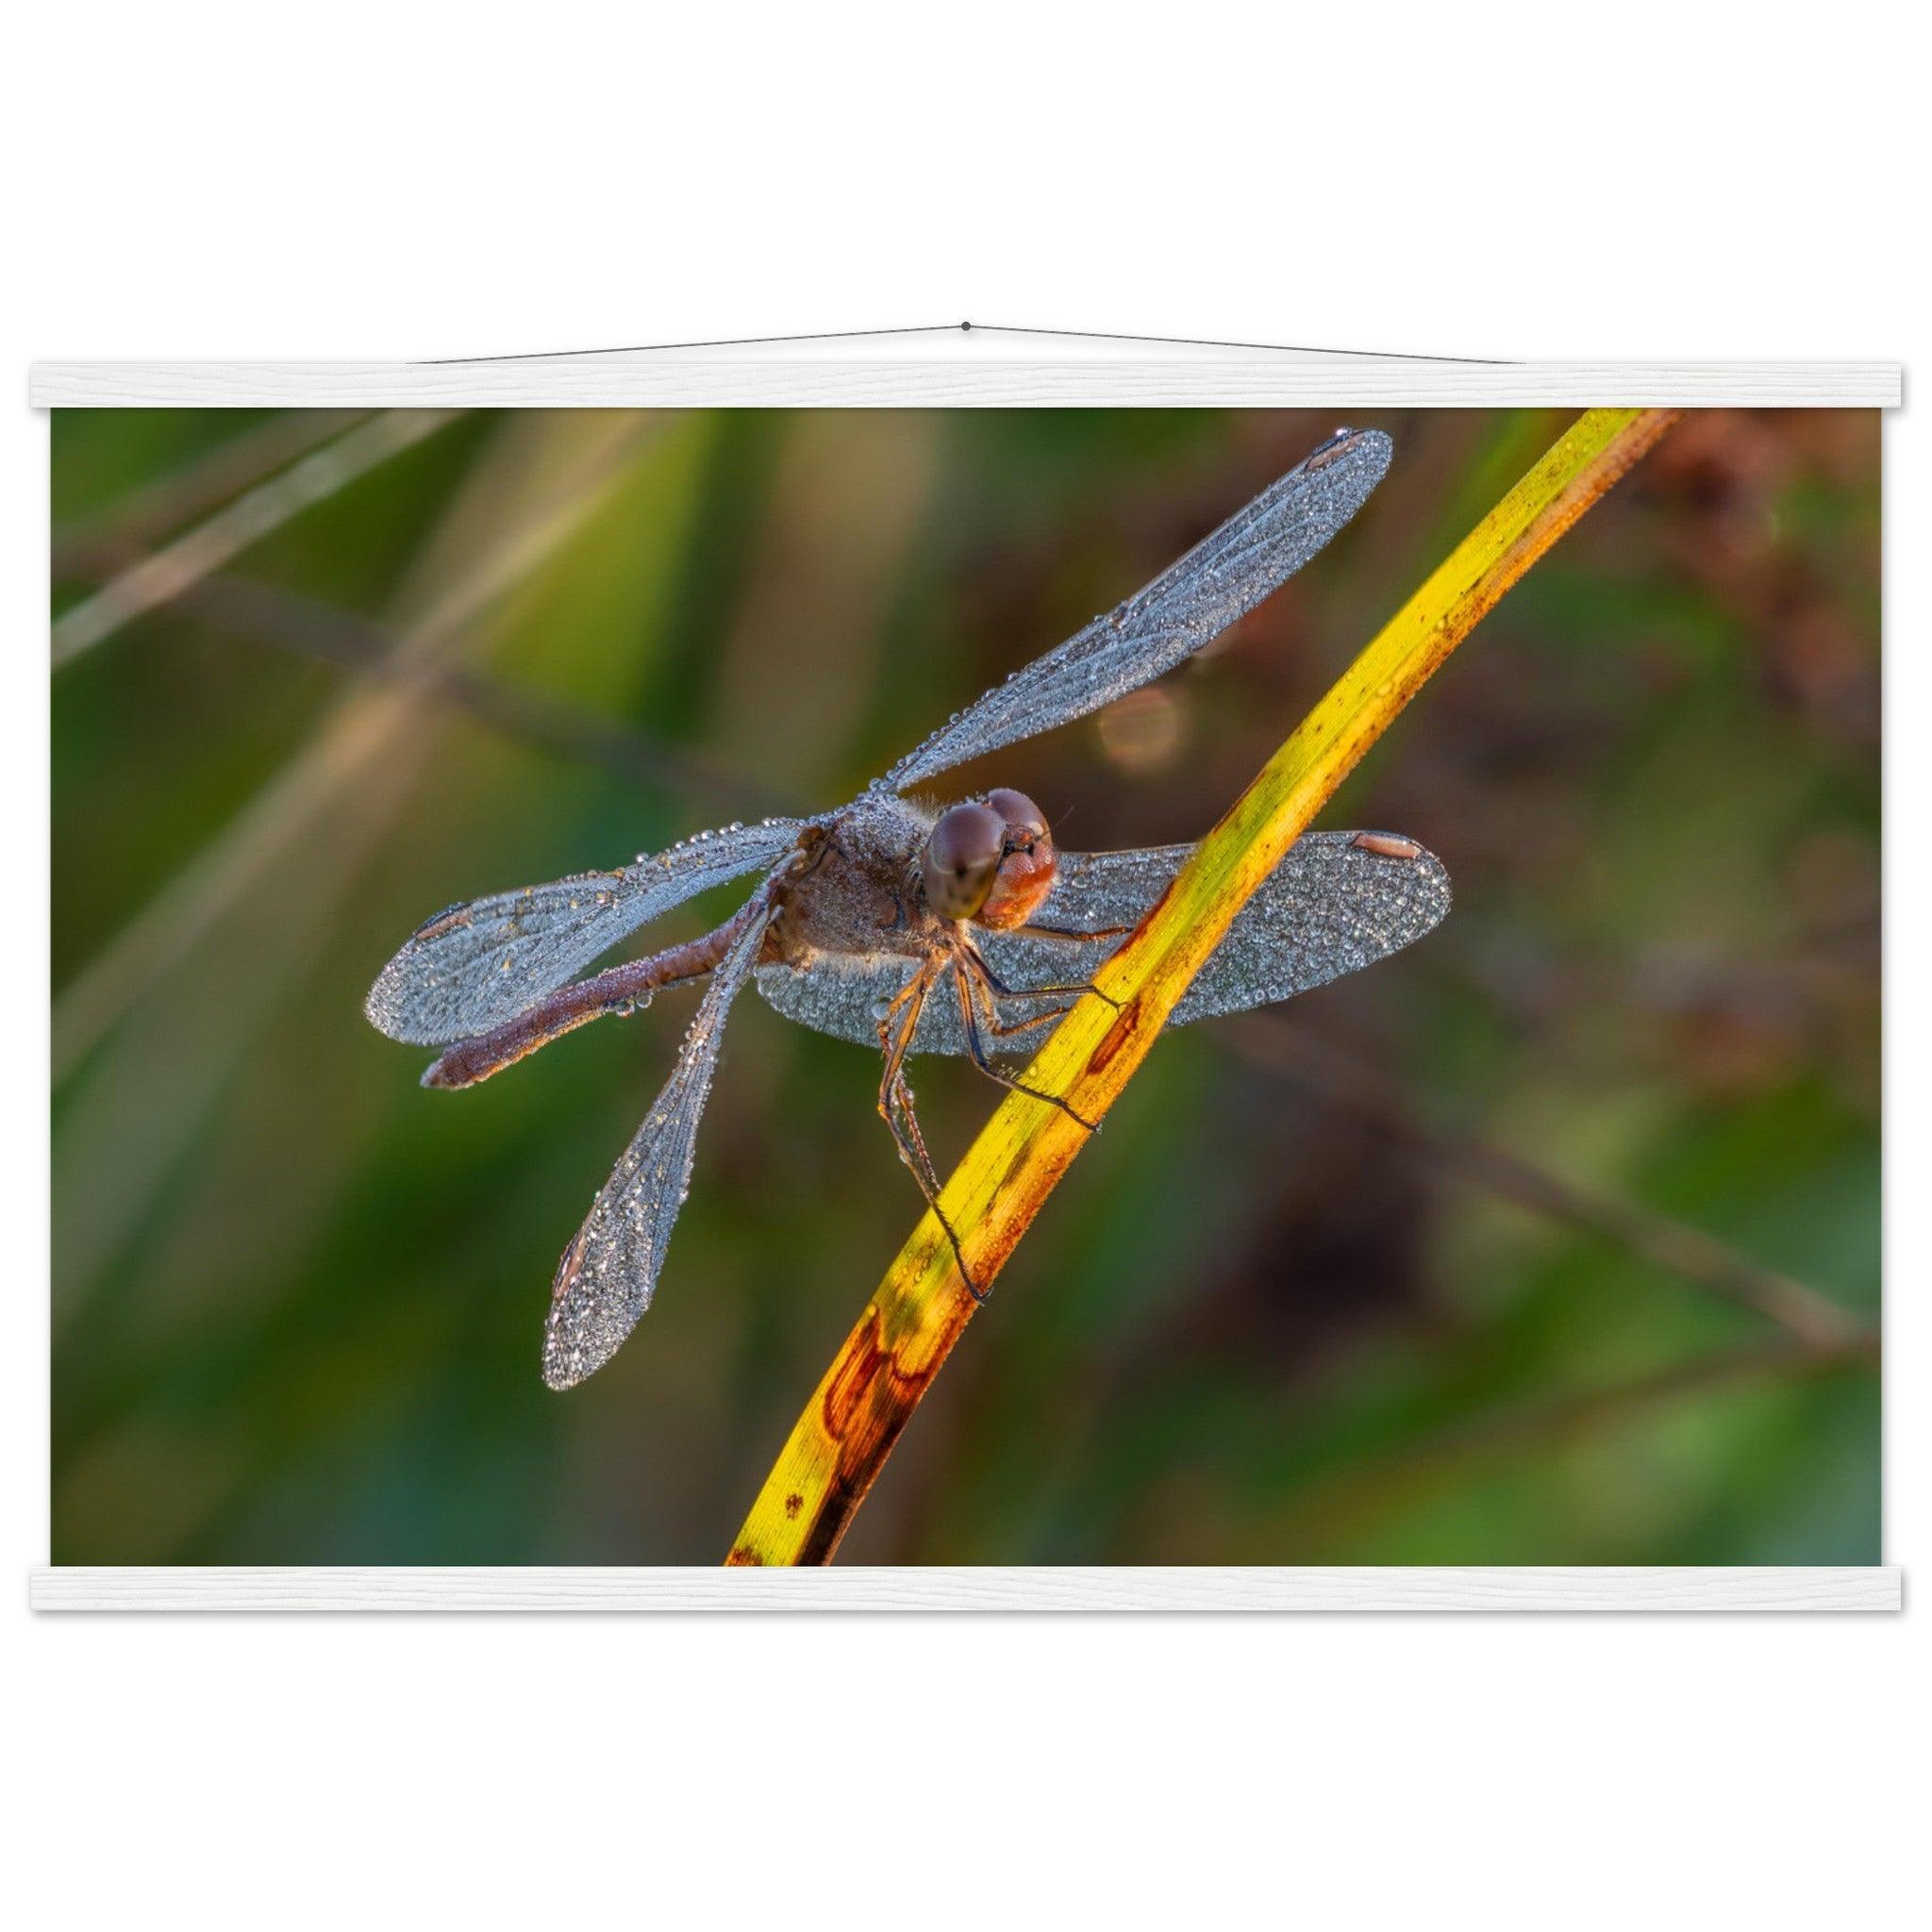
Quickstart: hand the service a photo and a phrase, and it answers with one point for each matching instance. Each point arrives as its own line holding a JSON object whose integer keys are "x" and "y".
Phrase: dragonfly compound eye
{"x": 961, "y": 858}
{"x": 1024, "y": 822}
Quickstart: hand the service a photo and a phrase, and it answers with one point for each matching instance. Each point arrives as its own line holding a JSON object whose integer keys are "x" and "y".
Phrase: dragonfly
{"x": 903, "y": 923}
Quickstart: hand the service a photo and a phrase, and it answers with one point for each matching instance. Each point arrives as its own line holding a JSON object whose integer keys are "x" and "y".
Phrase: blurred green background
{"x": 1555, "y": 1240}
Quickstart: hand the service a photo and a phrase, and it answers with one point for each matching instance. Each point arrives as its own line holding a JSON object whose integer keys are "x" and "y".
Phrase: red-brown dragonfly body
{"x": 891, "y": 922}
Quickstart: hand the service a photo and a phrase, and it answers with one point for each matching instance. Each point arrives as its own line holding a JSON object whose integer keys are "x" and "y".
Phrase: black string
{"x": 944, "y": 328}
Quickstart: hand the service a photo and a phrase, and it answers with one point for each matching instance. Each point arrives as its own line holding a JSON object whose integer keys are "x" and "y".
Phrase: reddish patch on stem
{"x": 866, "y": 1366}
{"x": 1124, "y": 1029}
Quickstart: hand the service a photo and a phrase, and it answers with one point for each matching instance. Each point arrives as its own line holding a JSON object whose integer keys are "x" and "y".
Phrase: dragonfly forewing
{"x": 1330, "y": 908}
{"x": 608, "y": 1274}
{"x": 482, "y": 963}
{"x": 1187, "y": 605}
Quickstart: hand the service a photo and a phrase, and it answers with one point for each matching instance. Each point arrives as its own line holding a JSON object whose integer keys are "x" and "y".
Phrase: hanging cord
{"x": 948, "y": 328}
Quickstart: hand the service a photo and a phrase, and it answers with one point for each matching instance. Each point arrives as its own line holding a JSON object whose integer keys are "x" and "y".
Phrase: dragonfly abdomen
{"x": 621, "y": 990}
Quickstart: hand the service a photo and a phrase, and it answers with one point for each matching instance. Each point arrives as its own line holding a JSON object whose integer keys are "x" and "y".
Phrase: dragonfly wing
{"x": 1331, "y": 906}
{"x": 846, "y": 995}
{"x": 479, "y": 965}
{"x": 608, "y": 1273}
{"x": 1190, "y": 602}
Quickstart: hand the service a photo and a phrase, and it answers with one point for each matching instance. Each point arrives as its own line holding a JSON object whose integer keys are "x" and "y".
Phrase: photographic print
{"x": 1020, "y": 987}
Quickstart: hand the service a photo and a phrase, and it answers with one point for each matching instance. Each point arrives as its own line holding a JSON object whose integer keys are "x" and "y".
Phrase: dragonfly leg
{"x": 895, "y": 1103}
{"x": 988, "y": 988}
{"x": 1002, "y": 1029}
{"x": 1065, "y": 932}
{"x": 975, "y": 1047}
{"x": 992, "y": 979}
{"x": 895, "y": 1091}
{"x": 902, "y": 1103}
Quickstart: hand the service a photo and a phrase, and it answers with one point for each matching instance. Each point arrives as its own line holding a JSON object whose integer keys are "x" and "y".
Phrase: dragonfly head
{"x": 990, "y": 860}
{"x": 1027, "y": 863}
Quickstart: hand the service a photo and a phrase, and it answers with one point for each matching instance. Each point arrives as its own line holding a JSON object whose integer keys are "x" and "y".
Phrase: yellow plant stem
{"x": 841, "y": 1442}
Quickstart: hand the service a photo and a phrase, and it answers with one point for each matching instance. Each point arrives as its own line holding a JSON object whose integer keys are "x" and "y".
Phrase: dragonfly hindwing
{"x": 479, "y": 964}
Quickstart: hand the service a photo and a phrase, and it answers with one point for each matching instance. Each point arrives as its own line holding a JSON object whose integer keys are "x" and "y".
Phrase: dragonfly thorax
{"x": 850, "y": 889}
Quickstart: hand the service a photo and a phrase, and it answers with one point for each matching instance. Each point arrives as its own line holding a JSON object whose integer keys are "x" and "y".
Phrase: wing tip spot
{"x": 449, "y": 920}
{"x": 1387, "y": 845}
